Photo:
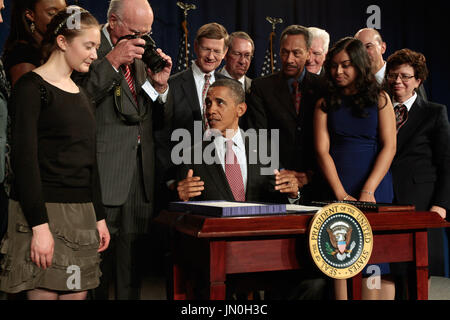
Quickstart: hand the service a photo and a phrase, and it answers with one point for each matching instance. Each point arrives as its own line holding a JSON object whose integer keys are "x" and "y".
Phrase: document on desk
{"x": 296, "y": 208}
{"x": 228, "y": 208}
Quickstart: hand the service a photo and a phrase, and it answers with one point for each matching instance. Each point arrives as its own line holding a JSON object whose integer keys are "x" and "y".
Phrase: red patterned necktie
{"x": 401, "y": 115}
{"x": 127, "y": 73}
{"x": 204, "y": 91}
{"x": 296, "y": 96}
{"x": 233, "y": 173}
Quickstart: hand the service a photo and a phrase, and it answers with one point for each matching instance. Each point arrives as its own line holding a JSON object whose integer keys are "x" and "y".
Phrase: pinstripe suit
{"x": 126, "y": 168}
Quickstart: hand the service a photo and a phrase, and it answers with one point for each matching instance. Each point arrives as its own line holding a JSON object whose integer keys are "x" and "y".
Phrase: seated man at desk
{"x": 235, "y": 172}
{"x": 225, "y": 179}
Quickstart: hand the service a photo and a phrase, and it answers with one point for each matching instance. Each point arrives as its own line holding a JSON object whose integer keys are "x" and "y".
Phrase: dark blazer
{"x": 185, "y": 109}
{"x": 421, "y": 166}
{"x": 117, "y": 143}
{"x": 270, "y": 106}
{"x": 183, "y": 100}
{"x": 260, "y": 188}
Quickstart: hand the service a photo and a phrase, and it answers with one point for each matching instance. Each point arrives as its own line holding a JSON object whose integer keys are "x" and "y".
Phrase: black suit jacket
{"x": 260, "y": 188}
{"x": 270, "y": 106}
{"x": 421, "y": 167}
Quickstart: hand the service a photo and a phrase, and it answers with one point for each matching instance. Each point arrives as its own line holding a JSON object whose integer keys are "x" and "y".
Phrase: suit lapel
{"x": 218, "y": 176}
{"x": 414, "y": 121}
{"x": 284, "y": 96}
{"x": 190, "y": 92}
{"x": 252, "y": 169}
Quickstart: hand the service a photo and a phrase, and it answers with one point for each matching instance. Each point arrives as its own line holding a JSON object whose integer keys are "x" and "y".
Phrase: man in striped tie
{"x": 131, "y": 110}
{"x": 234, "y": 176}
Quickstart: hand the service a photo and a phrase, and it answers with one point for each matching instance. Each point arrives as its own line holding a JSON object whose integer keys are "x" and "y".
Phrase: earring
{"x": 32, "y": 27}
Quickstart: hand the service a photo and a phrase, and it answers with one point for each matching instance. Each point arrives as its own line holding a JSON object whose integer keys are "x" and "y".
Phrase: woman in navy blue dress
{"x": 355, "y": 138}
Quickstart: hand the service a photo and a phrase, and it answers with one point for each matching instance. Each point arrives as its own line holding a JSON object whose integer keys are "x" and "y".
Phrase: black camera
{"x": 150, "y": 57}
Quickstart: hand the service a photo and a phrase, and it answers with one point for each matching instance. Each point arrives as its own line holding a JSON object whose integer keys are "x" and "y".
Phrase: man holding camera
{"x": 130, "y": 101}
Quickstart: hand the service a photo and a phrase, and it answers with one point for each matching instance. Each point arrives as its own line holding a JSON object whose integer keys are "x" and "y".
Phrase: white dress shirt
{"x": 238, "y": 149}
{"x": 408, "y": 103}
{"x": 379, "y": 76}
{"x": 199, "y": 78}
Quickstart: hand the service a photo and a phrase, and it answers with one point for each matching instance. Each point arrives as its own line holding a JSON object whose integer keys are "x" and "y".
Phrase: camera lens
{"x": 150, "y": 57}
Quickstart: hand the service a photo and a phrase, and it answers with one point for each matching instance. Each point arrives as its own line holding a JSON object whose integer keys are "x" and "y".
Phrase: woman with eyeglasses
{"x": 421, "y": 167}
{"x": 354, "y": 129}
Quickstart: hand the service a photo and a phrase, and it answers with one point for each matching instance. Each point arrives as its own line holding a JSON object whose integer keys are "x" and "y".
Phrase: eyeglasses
{"x": 403, "y": 77}
{"x": 134, "y": 32}
{"x": 209, "y": 50}
{"x": 239, "y": 55}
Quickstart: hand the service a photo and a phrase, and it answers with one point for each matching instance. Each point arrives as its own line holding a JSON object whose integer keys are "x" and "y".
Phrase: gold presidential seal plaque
{"x": 340, "y": 240}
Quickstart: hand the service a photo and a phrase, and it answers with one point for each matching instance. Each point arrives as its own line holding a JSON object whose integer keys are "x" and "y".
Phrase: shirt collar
{"x": 379, "y": 76}
{"x": 224, "y": 71}
{"x": 237, "y": 140}
{"x": 299, "y": 79}
{"x": 408, "y": 103}
{"x": 200, "y": 74}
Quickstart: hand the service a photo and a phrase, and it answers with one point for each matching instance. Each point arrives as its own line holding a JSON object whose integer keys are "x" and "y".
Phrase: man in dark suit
{"x": 130, "y": 106}
{"x": 285, "y": 101}
{"x": 186, "y": 98}
{"x": 208, "y": 179}
{"x": 238, "y": 58}
{"x": 188, "y": 88}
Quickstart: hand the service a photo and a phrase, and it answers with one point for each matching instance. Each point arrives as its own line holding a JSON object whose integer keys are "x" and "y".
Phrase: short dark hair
{"x": 235, "y": 87}
{"x": 296, "y": 29}
{"x": 414, "y": 59}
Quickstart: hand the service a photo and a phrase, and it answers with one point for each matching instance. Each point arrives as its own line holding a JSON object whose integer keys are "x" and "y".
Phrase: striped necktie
{"x": 233, "y": 173}
{"x": 127, "y": 73}
{"x": 401, "y": 115}
{"x": 204, "y": 91}
{"x": 296, "y": 96}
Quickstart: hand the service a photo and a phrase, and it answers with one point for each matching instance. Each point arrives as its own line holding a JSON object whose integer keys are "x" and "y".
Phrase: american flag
{"x": 182, "y": 64}
{"x": 267, "y": 66}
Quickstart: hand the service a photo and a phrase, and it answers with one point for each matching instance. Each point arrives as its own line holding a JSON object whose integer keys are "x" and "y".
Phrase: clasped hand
{"x": 192, "y": 186}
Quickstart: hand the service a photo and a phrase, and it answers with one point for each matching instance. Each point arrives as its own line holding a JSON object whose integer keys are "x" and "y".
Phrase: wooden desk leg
{"x": 217, "y": 276}
{"x": 179, "y": 283}
{"x": 356, "y": 286}
{"x": 421, "y": 259}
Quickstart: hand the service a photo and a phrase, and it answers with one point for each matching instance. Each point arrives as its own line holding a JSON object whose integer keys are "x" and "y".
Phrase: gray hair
{"x": 235, "y": 87}
{"x": 321, "y": 34}
{"x": 240, "y": 35}
{"x": 115, "y": 7}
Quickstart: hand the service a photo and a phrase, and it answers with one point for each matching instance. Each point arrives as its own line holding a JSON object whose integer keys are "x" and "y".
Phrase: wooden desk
{"x": 224, "y": 246}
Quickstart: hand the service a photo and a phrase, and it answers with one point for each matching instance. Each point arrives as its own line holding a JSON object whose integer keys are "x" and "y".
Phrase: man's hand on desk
{"x": 190, "y": 187}
{"x": 441, "y": 211}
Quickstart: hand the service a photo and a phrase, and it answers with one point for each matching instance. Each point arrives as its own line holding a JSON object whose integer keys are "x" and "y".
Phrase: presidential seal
{"x": 340, "y": 240}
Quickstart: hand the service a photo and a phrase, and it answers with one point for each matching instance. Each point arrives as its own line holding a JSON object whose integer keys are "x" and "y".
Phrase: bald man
{"x": 375, "y": 47}
{"x": 130, "y": 105}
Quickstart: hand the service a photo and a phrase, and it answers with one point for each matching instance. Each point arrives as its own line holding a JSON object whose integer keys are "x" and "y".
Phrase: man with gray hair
{"x": 320, "y": 42}
{"x": 130, "y": 110}
{"x": 238, "y": 58}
